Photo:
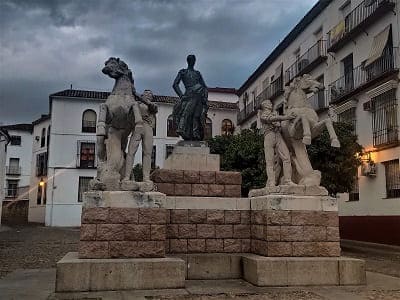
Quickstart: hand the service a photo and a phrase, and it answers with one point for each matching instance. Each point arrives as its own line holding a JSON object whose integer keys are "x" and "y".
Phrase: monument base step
{"x": 83, "y": 275}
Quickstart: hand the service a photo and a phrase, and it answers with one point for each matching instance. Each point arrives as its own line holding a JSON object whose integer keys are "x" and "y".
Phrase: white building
{"x": 72, "y": 151}
{"x": 352, "y": 46}
{"x": 18, "y": 162}
{"x": 4, "y": 141}
{"x": 38, "y": 177}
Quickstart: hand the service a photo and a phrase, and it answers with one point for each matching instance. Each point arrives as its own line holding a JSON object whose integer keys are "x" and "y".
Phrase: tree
{"x": 244, "y": 152}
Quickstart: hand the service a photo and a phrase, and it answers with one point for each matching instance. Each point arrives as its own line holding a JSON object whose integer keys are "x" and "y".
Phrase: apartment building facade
{"x": 4, "y": 141}
{"x": 72, "y": 151}
{"x": 352, "y": 47}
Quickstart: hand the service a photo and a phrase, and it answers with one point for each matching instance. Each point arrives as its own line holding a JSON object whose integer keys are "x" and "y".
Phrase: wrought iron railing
{"x": 363, "y": 75}
{"x": 11, "y": 192}
{"x": 357, "y": 18}
{"x": 13, "y": 170}
{"x": 320, "y": 100}
{"x": 307, "y": 61}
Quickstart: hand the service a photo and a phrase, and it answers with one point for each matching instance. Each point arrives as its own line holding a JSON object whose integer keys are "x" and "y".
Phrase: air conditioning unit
{"x": 368, "y": 169}
{"x": 367, "y": 106}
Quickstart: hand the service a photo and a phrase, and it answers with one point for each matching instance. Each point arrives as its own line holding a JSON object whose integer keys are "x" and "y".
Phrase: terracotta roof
{"x": 41, "y": 119}
{"x": 222, "y": 90}
{"x": 22, "y": 127}
{"x": 313, "y": 13}
{"x": 157, "y": 98}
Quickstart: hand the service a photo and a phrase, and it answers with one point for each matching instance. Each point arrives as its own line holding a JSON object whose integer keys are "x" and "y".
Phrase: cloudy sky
{"x": 46, "y": 45}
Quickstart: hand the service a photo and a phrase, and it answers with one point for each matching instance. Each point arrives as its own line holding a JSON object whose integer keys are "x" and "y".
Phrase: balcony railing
{"x": 362, "y": 77}
{"x": 355, "y": 22}
{"x": 270, "y": 92}
{"x": 320, "y": 100}
{"x": 11, "y": 192}
{"x": 305, "y": 63}
{"x": 13, "y": 170}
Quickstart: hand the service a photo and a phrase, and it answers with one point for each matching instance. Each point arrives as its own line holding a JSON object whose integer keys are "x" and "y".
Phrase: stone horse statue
{"x": 119, "y": 117}
{"x": 304, "y": 127}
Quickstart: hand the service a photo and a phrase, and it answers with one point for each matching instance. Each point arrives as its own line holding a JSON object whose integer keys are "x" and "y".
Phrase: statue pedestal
{"x": 121, "y": 224}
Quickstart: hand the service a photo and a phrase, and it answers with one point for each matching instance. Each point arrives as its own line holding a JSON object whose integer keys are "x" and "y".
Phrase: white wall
{"x": 3, "y": 154}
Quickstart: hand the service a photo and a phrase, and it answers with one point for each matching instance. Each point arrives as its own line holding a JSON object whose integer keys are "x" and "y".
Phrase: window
{"x": 349, "y": 116}
{"x": 384, "y": 119}
{"x": 87, "y": 155}
{"x": 89, "y": 118}
{"x": 392, "y": 173}
{"x": 347, "y": 68}
{"x": 48, "y": 137}
{"x": 43, "y": 138}
{"x": 168, "y": 150}
{"x": 354, "y": 194}
{"x": 13, "y": 168}
{"x": 227, "y": 127}
{"x": 41, "y": 164}
{"x": 15, "y": 140}
{"x": 171, "y": 127}
{"x": 83, "y": 186}
{"x": 12, "y": 188}
{"x": 154, "y": 127}
{"x": 208, "y": 129}
{"x": 153, "y": 158}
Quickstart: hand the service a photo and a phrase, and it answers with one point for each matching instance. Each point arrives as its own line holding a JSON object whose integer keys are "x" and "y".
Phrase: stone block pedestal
{"x": 76, "y": 274}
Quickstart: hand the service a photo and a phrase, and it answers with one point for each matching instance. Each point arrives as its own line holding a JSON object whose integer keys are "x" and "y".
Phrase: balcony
{"x": 13, "y": 170}
{"x": 362, "y": 77}
{"x": 272, "y": 91}
{"x": 307, "y": 62}
{"x": 320, "y": 100}
{"x": 366, "y": 13}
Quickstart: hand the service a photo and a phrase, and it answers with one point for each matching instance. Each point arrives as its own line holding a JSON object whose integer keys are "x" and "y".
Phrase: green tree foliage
{"x": 337, "y": 165}
{"x": 244, "y": 152}
{"x": 137, "y": 172}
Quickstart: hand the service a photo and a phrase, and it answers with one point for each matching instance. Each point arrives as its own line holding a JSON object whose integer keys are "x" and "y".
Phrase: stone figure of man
{"x": 142, "y": 134}
{"x": 191, "y": 110}
{"x": 275, "y": 144}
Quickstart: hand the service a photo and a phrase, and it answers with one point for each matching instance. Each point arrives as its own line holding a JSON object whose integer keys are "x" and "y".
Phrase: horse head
{"x": 115, "y": 68}
{"x": 302, "y": 86}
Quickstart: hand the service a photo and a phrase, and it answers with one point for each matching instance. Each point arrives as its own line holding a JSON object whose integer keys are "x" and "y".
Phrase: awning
{"x": 337, "y": 32}
{"x": 378, "y": 45}
{"x": 278, "y": 71}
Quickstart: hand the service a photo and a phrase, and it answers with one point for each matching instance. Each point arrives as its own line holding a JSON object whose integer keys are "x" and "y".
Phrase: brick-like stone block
{"x": 183, "y": 189}
{"x": 216, "y": 190}
{"x": 259, "y": 247}
{"x": 232, "y": 245}
{"x": 214, "y": 245}
{"x": 272, "y": 233}
{"x": 244, "y": 217}
{"x": 292, "y": 233}
{"x": 199, "y": 189}
{"x": 119, "y": 249}
{"x": 279, "y": 249}
{"x": 331, "y": 218}
{"x": 257, "y": 232}
{"x": 232, "y": 178}
{"x": 151, "y": 249}
{"x": 246, "y": 245}
{"x": 88, "y": 232}
{"x": 135, "y": 232}
{"x": 258, "y": 217}
{"x": 332, "y": 234}
{"x": 279, "y": 218}
{"x": 196, "y": 246}
{"x": 172, "y": 231}
{"x": 122, "y": 215}
{"x": 223, "y": 231}
{"x": 94, "y": 215}
{"x": 241, "y": 231}
{"x": 110, "y": 232}
{"x": 233, "y": 190}
{"x": 191, "y": 176}
{"x": 178, "y": 245}
{"x": 314, "y": 233}
{"x": 179, "y": 216}
{"x": 152, "y": 216}
{"x": 158, "y": 232}
{"x": 166, "y": 188}
{"x": 167, "y": 176}
{"x": 207, "y": 177}
{"x": 232, "y": 216}
{"x": 205, "y": 231}
{"x": 187, "y": 231}
{"x": 197, "y": 216}
{"x": 215, "y": 216}
{"x": 93, "y": 249}
{"x": 316, "y": 248}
